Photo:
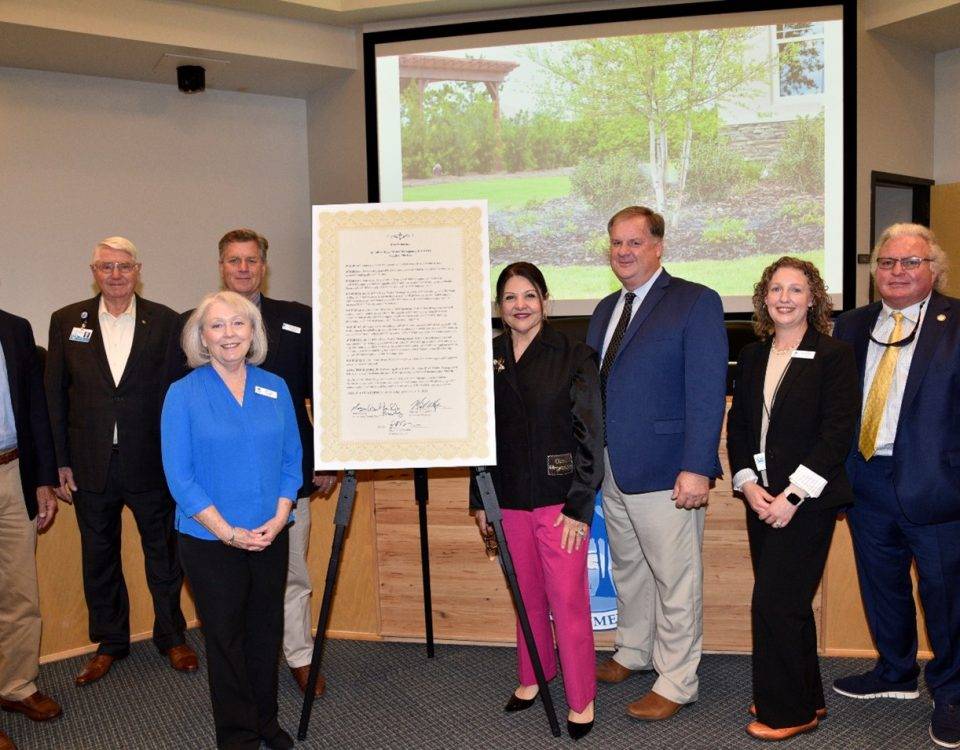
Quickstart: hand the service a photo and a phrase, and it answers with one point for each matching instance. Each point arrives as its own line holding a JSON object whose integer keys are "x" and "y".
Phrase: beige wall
{"x": 84, "y": 158}
{"x": 946, "y": 137}
{"x": 895, "y": 112}
{"x": 336, "y": 141}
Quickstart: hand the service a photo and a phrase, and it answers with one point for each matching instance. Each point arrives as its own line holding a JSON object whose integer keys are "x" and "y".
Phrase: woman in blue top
{"x": 231, "y": 453}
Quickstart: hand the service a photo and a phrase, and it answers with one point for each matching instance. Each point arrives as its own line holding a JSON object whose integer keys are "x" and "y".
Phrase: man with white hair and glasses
{"x": 905, "y": 471}
{"x": 104, "y": 381}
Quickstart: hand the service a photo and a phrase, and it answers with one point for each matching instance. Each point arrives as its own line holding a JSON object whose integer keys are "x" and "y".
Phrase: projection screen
{"x": 733, "y": 125}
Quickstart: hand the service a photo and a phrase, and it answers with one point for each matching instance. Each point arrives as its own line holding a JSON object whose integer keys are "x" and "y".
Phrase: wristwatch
{"x": 794, "y": 499}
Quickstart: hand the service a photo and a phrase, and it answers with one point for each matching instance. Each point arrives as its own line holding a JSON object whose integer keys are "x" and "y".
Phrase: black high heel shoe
{"x": 519, "y": 704}
{"x": 578, "y": 730}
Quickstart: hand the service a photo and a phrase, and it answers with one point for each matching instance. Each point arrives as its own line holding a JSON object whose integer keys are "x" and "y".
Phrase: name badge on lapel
{"x": 81, "y": 335}
{"x": 291, "y": 327}
{"x": 803, "y": 354}
{"x": 260, "y": 390}
{"x": 560, "y": 465}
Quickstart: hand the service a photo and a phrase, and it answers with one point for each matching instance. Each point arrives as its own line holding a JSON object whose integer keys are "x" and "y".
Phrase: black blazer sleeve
{"x": 839, "y": 406}
{"x": 588, "y": 432}
{"x": 46, "y": 457}
{"x": 175, "y": 360}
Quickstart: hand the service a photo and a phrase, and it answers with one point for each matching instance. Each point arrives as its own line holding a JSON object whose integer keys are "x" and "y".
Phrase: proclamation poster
{"x": 403, "y": 373}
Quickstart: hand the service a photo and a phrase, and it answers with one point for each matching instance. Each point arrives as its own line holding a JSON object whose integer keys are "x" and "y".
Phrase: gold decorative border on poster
{"x": 332, "y": 448}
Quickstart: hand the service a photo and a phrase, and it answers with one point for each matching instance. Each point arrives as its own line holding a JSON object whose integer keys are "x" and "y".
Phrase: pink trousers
{"x": 553, "y": 581}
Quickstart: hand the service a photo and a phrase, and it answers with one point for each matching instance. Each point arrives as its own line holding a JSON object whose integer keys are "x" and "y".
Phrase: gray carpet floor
{"x": 390, "y": 695}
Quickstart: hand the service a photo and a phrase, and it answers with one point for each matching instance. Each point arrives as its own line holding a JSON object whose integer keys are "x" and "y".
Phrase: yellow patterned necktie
{"x": 879, "y": 390}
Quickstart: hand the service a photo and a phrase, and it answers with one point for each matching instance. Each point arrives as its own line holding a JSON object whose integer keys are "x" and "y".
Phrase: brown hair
{"x": 526, "y": 270}
{"x": 818, "y": 315}
{"x": 655, "y": 221}
{"x": 244, "y": 235}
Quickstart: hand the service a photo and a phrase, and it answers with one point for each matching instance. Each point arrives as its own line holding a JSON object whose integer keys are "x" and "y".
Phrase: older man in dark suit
{"x": 905, "y": 470}
{"x": 28, "y": 475}
{"x": 289, "y": 326}
{"x": 663, "y": 352}
{"x": 104, "y": 381}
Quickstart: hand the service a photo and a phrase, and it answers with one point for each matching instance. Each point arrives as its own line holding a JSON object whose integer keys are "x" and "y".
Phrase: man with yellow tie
{"x": 905, "y": 471}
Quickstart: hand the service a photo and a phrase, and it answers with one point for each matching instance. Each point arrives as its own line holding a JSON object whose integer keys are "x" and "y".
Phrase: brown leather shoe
{"x": 38, "y": 707}
{"x": 301, "y": 674}
{"x": 763, "y": 732}
{"x": 5, "y": 742}
{"x": 653, "y": 707}
{"x": 821, "y": 712}
{"x": 613, "y": 671}
{"x": 96, "y": 668}
{"x": 182, "y": 658}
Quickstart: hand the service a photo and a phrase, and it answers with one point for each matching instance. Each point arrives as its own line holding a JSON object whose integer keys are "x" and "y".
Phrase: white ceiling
{"x": 358, "y": 12}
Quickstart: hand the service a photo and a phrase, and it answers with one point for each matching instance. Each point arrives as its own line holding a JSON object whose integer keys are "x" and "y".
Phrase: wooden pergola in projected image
{"x": 422, "y": 70}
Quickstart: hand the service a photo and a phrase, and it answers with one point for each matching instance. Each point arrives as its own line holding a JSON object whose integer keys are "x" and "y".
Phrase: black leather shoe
{"x": 578, "y": 730}
{"x": 279, "y": 741}
{"x": 518, "y": 704}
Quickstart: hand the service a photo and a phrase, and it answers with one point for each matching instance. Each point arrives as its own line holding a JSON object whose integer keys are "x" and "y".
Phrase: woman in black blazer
{"x": 549, "y": 466}
{"x": 789, "y": 431}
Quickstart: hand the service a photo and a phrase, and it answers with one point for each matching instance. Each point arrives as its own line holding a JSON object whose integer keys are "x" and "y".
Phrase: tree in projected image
{"x": 658, "y": 83}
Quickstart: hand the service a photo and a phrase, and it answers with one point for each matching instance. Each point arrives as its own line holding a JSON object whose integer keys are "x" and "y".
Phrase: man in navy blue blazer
{"x": 28, "y": 475}
{"x": 905, "y": 470}
{"x": 663, "y": 350}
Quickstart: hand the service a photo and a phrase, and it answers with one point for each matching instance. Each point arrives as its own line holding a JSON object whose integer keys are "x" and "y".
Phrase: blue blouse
{"x": 241, "y": 459}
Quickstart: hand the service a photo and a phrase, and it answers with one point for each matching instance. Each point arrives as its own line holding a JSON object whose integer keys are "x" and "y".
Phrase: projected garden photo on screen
{"x": 734, "y": 134}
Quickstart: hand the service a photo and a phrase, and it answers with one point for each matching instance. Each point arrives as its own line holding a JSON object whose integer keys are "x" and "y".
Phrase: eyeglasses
{"x": 907, "y": 264}
{"x": 913, "y": 333}
{"x": 108, "y": 267}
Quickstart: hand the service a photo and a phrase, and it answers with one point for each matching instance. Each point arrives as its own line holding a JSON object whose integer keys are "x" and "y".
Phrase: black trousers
{"x": 99, "y": 516}
{"x": 788, "y": 564}
{"x": 239, "y": 598}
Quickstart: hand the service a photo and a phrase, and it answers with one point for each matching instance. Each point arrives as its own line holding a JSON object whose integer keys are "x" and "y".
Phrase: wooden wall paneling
{"x": 845, "y": 630}
{"x": 944, "y": 213}
{"x": 470, "y": 597}
{"x": 62, "y": 605}
{"x": 355, "y": 611}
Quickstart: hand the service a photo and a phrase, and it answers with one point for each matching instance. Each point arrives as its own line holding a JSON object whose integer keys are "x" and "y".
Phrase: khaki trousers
{"x": 658, "y": 572}
{"x": 297, "y": 634}
{"x": 19, "y": 597}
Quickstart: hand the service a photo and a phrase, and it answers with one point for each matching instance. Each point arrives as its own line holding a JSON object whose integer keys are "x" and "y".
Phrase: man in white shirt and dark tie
{"x": 104, "y": 384}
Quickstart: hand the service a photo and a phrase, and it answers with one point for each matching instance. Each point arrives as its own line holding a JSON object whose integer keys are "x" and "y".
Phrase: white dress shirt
{"x": 912, "y": 315}
{"x": 117, "y": 334}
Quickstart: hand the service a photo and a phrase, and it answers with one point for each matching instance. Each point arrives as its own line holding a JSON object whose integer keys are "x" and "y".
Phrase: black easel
{"x": 341, "y": 520}
{"x": 491, "y": 508}
{"x": 422, "y": 494}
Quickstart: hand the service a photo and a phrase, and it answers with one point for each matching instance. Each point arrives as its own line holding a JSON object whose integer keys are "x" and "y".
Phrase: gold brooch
{"x": 941, "y": 317}
{"x": 498, "y": 365}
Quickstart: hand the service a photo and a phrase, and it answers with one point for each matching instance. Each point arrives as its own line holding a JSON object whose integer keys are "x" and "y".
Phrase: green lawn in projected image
{"x": 502, "y": 193}
{"x": 723, "y": 276}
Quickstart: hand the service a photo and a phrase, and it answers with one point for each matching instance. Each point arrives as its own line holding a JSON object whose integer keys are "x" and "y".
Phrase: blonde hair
{"x": 191, "y": 340}
{"x": 117, "y": 243}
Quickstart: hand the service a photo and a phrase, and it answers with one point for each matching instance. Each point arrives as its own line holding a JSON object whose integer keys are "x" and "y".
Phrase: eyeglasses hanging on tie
{"x": 909, "y": 338}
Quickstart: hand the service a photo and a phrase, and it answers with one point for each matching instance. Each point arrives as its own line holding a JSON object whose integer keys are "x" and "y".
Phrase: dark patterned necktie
{"x": 614, "y": 347}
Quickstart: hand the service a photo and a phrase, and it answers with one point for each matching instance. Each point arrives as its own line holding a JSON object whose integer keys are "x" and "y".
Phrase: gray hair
{"x": 192, "y": 342}
{"x": 938, "y": 258}
{"x": 118, "y": 243}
